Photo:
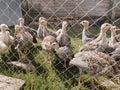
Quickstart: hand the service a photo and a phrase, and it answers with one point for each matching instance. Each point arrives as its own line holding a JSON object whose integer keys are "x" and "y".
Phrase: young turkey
{"x": 64, "y": 52}
{"x": 5, "y": 35}
{"x": 86, "y": 35}
{"x": 31, "y": 31}
{"x": 43, "y": 30}
{"x": 23, "y": 40}
{"x": 95, "y": 63}
{"x": 100, "y": 43}
{"x": 63, "y": 39}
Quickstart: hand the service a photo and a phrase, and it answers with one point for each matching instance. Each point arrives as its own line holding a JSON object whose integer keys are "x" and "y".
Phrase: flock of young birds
{"x": 98, "y": 55}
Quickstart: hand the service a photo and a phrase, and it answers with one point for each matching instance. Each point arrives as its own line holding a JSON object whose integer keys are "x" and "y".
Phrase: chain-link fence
{"x": 44, "y": 70}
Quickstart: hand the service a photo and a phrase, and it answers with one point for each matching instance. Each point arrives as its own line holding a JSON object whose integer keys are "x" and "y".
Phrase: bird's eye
{"x": 107, "y": 25}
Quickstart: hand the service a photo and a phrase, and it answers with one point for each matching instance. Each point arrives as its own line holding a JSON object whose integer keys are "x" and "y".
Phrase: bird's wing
{"x": 92, "y": 60}
{"x": 117, "y": 38}
{"x": 29, "y": 36}
{"x": 89, "y": 47}
{"x": 63, "y": 40}
{"x": 116, "y": 51}
{"x": 33, "y": 32}
{"x": 116, "y": 54}
{"x": 79, "y": 62}
{"x": 117, "y": 45}
{"x": 40, "y": 32}
{"x": 66, "y": 52}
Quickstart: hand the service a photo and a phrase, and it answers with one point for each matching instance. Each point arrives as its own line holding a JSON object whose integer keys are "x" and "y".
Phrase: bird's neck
{"x": 45, "y": 27}
{"x": 112, "y": 39}
{"x": 21, "y": 24}
{"x": 85, "y": 29}
{"x": 63, "y": 30}
{"x": 101, "y": 36}
{"x": 113, "y": 33}
{"x": 40, "y": 26}
{"x": 3, "y": 30}
{"x": 22, "y": 33}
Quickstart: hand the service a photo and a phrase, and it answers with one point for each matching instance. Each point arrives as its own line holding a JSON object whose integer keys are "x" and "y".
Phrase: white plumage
{"x": 100, "y": 43}
{"x": 47, "y": 43}
{"x": 5, "y": 35}
{"x": 86, "y": 35}
{"x": 63, "y": 39}
{"x": 64, "y": 52}
{"x": 43, "y": 30}
{"x": 3, "y": 48}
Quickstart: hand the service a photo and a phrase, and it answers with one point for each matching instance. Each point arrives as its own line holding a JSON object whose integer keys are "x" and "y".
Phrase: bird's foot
{"x": 92, "y": 86}
{"x": 81, "y": 80}
{"x": 64, "y": 65}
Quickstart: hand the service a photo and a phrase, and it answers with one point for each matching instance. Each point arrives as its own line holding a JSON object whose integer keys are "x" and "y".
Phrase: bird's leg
{"x": 49, "y": 58}
{"x": 80, "y": 77}
{"x": 116, "y": 71}
{"x": 64, "y": 63}
{"x": 115, "y": 68}
{"x": 0, "y": 58}
{"x": 21, "y": 56}
{"x": 19, "y": 53}
{"x": 92, "y": 81}
{"x": 25, "y": 56}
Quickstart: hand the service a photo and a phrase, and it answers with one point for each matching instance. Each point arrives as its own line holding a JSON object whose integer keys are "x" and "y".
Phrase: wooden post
{"x": 113, "y": 10}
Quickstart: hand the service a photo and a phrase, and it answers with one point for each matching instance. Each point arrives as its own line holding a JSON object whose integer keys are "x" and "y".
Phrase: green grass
{"x": 48, "y": 76}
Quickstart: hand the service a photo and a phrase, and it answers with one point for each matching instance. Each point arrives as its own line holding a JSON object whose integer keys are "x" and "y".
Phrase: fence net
{"x": 43, "y": 69}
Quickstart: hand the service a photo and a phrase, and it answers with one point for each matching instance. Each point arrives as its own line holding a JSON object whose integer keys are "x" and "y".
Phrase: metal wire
{"x": 32, "y": 12}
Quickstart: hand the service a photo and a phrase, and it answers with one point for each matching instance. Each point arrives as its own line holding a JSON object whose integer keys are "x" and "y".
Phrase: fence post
{"x": 24, "y": 5}
{"x": 112, "y": 12}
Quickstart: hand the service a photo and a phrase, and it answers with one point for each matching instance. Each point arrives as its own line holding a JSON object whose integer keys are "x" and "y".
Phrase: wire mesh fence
{"x": 44, "y": 68}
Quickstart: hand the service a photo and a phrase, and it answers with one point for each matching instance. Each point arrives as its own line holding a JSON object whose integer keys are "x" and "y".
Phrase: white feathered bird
{"x": 5, "y": 35}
